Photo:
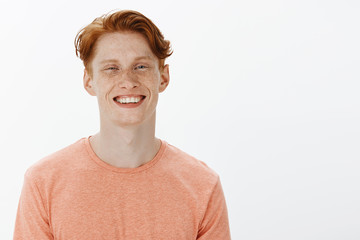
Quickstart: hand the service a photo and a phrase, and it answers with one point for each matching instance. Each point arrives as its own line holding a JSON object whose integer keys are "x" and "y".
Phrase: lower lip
{"x": 129, "y": 105}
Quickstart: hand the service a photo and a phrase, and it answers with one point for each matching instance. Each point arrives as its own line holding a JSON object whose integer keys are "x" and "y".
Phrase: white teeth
{"x": 129, "y": 100}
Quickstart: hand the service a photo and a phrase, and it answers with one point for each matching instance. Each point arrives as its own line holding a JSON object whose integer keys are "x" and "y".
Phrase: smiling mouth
{"x": 129, "y": 100}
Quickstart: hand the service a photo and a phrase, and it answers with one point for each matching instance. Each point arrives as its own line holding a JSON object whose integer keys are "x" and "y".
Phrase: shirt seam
{"x": 44, "y": 205}
{"x": 208, "y": 202}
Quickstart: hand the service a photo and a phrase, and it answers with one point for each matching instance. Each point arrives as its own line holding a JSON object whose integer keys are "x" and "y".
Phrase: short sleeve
{"x": 215, "y": 223}
{"x": 32, "y": 219}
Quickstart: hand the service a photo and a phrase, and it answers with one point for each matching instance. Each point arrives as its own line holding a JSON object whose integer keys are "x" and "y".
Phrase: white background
{"x": 265, "y": 92}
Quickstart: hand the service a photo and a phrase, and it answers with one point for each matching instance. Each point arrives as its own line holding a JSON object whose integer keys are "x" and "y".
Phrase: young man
{"x": 123, "y": 182}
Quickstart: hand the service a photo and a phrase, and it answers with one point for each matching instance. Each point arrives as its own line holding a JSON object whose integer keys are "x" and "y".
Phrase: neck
{"x": 126, "y": 146}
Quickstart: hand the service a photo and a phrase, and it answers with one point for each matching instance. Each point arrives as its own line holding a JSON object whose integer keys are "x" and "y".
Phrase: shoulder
{"x": 190, "y": 176}
{"x": 189, "y": 167}
{"x": 55, "y": 162}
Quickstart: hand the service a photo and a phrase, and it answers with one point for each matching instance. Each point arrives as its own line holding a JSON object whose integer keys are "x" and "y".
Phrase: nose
{"x": 128, "y": 80}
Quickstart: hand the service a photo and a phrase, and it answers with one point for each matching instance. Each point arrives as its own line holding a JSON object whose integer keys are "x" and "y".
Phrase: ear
{"x": 88, "y": 83}
{"x": 165, "y": 78}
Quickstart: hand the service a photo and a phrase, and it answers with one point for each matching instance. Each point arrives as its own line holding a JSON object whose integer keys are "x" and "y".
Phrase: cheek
{"x": 103, "y": 91}
{"x": 153, "y": 81}
{"x": 104, "y": 82}
{"x": 154, "y": 88}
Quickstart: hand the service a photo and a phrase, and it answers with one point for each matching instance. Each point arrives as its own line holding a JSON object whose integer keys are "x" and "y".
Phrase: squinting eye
{"x": 112, "y": 68}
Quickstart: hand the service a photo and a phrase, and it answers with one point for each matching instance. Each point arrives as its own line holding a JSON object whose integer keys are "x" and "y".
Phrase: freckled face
{"x": 124, "y": 70}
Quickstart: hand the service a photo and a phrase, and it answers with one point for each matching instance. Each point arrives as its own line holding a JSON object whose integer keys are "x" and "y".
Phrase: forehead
{"x": 122, "y": 46}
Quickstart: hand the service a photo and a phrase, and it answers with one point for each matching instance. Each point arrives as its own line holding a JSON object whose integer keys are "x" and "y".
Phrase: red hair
{"x": 125, "y": 20}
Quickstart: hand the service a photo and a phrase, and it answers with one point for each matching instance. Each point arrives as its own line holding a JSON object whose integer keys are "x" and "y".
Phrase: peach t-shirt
{"x": 73, "y": 194}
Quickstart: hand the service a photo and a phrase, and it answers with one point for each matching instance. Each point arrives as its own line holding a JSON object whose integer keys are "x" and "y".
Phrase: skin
{"x": 124, "y": 64}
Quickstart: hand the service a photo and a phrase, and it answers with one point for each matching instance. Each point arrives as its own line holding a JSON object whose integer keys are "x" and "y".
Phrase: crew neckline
{"x": 110, "y": 167}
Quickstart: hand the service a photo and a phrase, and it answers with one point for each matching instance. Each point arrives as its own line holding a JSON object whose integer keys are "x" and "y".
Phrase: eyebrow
{"x": 143, "y": 57}
{"x": 108, "y": 61}
{"x": 136, "y": 59}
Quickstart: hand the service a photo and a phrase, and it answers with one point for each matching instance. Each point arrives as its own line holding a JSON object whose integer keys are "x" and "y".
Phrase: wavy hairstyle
{"x": 124, "y": 20}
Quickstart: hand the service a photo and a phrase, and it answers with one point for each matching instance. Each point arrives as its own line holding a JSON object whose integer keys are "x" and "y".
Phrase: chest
{"x": 102, "y": 209}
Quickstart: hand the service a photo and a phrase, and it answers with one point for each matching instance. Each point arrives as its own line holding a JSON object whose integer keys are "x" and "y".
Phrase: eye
{"x": 112, "y": 68}
{"x": 141, "y": 67}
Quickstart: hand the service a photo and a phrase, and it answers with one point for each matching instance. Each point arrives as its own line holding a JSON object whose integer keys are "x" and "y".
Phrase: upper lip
{"x": 129, "y": 95}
